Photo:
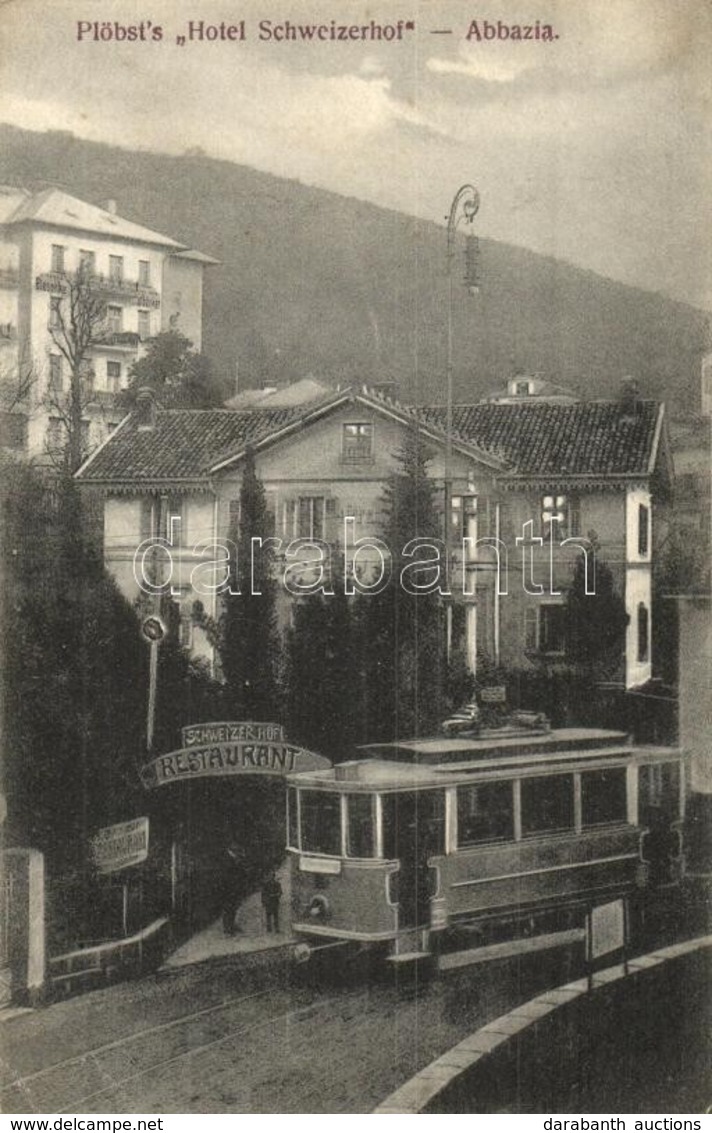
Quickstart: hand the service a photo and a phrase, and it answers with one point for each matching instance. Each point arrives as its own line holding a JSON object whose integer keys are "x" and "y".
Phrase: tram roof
{"x": 378, "y": 774}
{"x": 449, "y": 749}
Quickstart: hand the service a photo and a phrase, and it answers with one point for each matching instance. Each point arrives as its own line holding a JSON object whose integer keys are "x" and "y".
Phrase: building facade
{"x": 532, "y": 488}
{"x": 139, "y": 281}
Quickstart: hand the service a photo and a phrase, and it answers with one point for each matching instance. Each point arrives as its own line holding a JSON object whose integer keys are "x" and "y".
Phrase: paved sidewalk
{"x": 252, "y": 936}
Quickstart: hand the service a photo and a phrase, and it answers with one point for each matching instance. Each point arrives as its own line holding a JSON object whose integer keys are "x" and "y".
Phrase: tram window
{"x": 603, "y": 796}
{"x": 360, "y": 839}
{"x": 485, "y": 813}
{"x": 547, "y": 804}
{"x": 293, "y": 818}
{"x": 321, "y": 822}
{"x": 414, "y": 823}
{"x": 659, "y": 793}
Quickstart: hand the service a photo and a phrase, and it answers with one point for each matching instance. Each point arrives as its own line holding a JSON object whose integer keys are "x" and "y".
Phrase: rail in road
{"x": 267, "y": 1050}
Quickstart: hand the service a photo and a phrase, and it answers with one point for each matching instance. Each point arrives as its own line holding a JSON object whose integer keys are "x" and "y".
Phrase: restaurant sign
{"x": 226, "y": 749}
{"x": 117, "y": 847}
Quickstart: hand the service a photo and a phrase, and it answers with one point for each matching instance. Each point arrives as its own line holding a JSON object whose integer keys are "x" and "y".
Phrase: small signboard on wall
{"x": 606, "y": 935}
{"x": 117, "y": 847}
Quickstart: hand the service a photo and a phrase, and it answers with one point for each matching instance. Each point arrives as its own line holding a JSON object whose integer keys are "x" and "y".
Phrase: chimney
{"x": 629, "y": 397}
{"x": 109, "y": 206}
{"x": 146, "y": 408}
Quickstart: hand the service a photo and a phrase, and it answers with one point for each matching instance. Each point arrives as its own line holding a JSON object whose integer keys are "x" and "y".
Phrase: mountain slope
{"x": 312, "y": 282}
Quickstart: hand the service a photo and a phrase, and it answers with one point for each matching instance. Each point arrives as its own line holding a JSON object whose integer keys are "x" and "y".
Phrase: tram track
{"x": 104, "y": 1070}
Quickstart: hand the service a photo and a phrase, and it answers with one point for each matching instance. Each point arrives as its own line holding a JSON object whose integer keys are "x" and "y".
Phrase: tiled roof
{"x": 184, "y": 445}
{"x": 594, "y": 438}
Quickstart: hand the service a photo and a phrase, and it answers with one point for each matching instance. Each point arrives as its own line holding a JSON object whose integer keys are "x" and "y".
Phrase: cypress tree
{"x": 406, "y": 668}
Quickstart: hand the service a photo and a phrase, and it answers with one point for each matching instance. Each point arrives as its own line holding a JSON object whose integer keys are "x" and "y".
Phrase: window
{"x": 643, "y": 632}
{"x": 144, "y": 324}
{"x": 58, "y": 257}
{"x": 521, "y": 389}
{"x": 55, "y": 373}
{"x": 603, "y": 796}
{"x": 545, "y": 628}
{"x": 113, "y": 376}
{"x": 360, "y": 840}
{"x": 307, "y": 517}
{"x": 144, "y": 273}
{"x": 233, "y": 521}
{"x": 116, "y": 269}
{"x": 321, "y": 822}
{"x": 293, "y": 818}
{"x": 560, "y": 517}
{"x": 552, "y": 629}
{"x": 643, "y": 530}
{"x": 185, "y": 629}
{"x": 547, "y": 804}
{"x": 485, "y": 813}
{"x": 87, "y": 261}
{"x": 658, "y": 793}
{"x": 54, "y": 311}
{"x": 55, "y": 434}
{"x": 357, "y": 443}
{"x": 463, "y": 511}
{"x": 114, "y": 319}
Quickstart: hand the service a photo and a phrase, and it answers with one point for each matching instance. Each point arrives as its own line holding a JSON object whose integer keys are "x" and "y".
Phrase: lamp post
{"x": 465, "y": 206}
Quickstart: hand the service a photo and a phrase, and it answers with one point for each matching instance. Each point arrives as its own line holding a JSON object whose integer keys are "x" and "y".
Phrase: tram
{"x": 480, "y": 845}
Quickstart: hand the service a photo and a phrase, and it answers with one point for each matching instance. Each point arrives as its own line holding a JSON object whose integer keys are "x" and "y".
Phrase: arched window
{"x": 643, "y": 632}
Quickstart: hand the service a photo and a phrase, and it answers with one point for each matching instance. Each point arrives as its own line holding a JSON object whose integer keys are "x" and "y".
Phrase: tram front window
{"x": 321, "y": 823}
{"x": 360, "y": 837}
{"x": 293, "y": 818}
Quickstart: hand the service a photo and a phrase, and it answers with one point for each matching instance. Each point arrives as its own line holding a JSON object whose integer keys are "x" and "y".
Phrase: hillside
{"x": 312, "y": 282}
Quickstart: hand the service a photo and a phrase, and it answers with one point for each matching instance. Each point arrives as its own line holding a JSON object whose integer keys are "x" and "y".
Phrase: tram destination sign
{"x": 256, "y": 749}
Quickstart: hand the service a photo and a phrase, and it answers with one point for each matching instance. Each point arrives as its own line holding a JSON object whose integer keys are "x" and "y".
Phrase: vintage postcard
{"x": 355, "y": 396}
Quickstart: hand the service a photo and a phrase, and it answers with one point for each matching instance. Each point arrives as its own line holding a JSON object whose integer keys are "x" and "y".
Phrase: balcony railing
{"x": 121, "y": 339}
{"x": 131, "y": 291}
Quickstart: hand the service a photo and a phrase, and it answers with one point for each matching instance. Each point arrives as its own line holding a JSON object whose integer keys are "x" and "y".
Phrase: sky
{"x": 594, "y": 147}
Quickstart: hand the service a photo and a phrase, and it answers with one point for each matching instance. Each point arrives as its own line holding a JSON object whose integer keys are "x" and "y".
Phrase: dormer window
{"x": 521, "y": 389}
{"x": 357, "y": 443}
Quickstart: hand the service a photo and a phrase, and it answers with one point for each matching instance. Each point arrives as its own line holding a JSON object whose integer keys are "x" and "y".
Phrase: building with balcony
{"x": 549, "y": 474}
{"x": 142, "y": 281}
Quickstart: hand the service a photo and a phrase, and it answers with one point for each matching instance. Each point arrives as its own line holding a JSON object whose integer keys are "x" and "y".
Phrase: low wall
{"x": 629, "y": 1043}
{"x": 113, "y": 959}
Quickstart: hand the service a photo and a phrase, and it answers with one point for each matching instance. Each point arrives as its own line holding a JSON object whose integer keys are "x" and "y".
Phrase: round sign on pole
{"x": 153, "y": 628}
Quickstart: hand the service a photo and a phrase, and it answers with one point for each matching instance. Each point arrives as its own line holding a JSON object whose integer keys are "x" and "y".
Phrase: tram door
{"x": 413, "y": 831}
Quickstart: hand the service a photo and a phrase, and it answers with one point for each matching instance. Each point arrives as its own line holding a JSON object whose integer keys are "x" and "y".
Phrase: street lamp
{"x": 465, "y": 206}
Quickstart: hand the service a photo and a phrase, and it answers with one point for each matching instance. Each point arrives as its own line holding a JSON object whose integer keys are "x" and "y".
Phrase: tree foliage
{"x": 247, "y": 637}
{"x": 406, "y": 671}
{"x": 180, "y": 377}
{"x": 324, "y": 672}
{"x": 596, "y": 623}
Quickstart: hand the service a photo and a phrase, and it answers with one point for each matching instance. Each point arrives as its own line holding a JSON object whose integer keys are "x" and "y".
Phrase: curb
{"x": 421, "y": 1089}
